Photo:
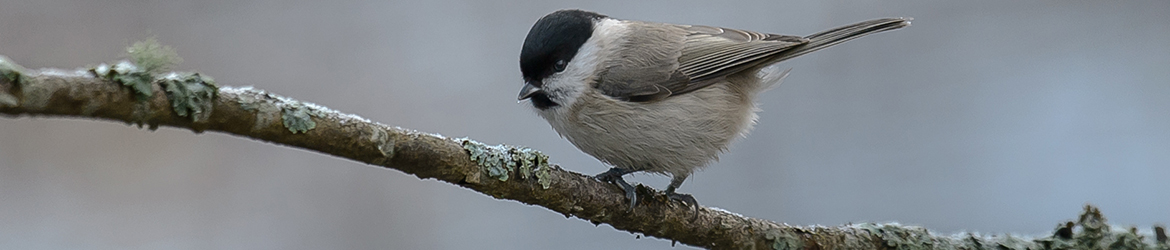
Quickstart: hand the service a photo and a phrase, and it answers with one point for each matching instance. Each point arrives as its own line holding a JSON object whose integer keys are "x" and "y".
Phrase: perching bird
{"x": 657, "y": 97}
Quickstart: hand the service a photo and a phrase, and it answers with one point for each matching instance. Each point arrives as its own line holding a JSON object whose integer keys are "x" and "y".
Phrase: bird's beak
{"x": 527, "y": 91}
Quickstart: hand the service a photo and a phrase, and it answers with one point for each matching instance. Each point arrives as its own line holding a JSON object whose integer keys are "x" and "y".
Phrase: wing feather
{"x": 666, "y": 60}
{"x": 713, "y": 52}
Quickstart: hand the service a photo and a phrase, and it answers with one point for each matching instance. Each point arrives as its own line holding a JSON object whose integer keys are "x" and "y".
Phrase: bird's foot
{"x": 686, "y": 199}
{"x": 614, "y": 175}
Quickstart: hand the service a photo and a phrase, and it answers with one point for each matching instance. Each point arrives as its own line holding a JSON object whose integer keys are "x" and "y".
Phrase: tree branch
{"x": 185, "y": 100}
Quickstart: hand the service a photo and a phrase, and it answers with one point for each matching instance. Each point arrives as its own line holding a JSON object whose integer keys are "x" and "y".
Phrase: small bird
{"x": 657, "y": 97}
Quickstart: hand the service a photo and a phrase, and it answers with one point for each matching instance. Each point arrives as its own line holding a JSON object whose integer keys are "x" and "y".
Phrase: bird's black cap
{"x": 556, "y": 36}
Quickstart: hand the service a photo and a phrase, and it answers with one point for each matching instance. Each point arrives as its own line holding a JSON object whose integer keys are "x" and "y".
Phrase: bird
{"x": 656, "y": 97}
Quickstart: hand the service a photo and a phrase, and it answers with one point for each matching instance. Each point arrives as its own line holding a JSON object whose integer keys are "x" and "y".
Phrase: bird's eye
{"x": 560, "y": 65}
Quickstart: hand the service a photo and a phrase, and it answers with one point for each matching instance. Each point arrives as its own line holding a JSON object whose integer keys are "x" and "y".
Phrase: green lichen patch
{"x": 1062, "y": 237}
{"x": 129, "y": 75}
{"x": 191, "y": 95}
{"x": 1096, "y": 233}
{"x": 528, "y": 160}
{"x": 296, "y": 118}
{"x": 782, "y": 240}
{"x": 1009, "y": 242}
{"x": 492, "y": 159}
{"x": 544, "y": 175}
{"x": 500, "y": 161}
{"x": 1127, "y": 239}
{"x": 1093, "y": 233}
{"x": 12, "y": 72}
{"x": 1093, "y": 227}
{"x": 153, "y": 57}
{"x": 149, "y": 59}
{"x": 898, "y": 237}
{"x": 384, "y": 141}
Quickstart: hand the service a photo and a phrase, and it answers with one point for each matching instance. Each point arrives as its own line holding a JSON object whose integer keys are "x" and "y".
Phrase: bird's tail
{"x": 843, "y": 34}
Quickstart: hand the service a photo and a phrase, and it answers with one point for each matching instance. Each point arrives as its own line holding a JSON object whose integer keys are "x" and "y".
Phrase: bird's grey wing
{"x": 711, "y": 53}
{"x": 660, "y": 60}
{"x": 645, "y": 63}
{"x": 685, "y": 58}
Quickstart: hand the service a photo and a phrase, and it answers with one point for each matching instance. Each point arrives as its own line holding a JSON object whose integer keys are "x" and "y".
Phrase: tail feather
{"x": 843, "y": 34}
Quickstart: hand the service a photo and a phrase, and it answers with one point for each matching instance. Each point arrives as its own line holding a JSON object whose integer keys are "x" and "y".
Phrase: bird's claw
{"x": 614, "y": 176}
{"x": 686, "y": 199}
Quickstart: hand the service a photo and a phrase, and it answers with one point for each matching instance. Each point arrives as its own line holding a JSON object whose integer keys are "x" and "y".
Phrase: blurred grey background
{"x": 988, "y": 116}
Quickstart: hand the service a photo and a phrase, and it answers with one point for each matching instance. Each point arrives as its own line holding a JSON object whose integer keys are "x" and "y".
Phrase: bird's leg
{"x": 686, "y": 199}
{"x": 614, "y": 175}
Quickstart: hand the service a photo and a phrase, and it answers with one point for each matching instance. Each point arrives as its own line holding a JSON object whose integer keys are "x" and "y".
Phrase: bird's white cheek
{"x": 562, "y": 90}
{"x": 567, "y": 86}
